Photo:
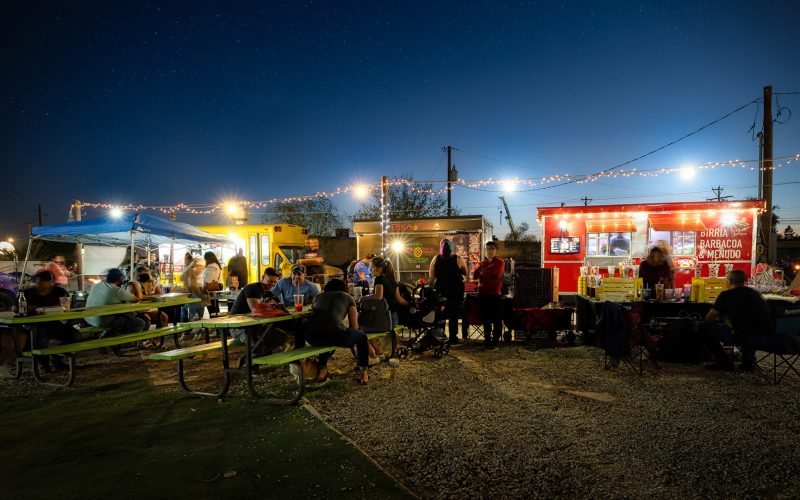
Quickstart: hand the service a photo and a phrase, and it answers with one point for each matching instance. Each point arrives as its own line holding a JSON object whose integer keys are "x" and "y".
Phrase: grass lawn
{"x": 127, "y": 440}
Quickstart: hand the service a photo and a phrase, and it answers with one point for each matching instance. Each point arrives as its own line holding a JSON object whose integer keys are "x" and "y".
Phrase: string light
{"x": 360, "y": 190}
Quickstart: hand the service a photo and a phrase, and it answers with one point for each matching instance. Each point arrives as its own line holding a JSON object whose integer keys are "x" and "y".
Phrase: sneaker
{"x": 383, "y": 357}
{"x": 5, "y": 372}
{"x": 454, "y": 341}
{"x": 374, "y": 361}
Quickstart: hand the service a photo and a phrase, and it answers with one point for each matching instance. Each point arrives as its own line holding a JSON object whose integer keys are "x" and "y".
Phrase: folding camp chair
{"x": 471, "y": 323}
{"x": 779, "y": 355}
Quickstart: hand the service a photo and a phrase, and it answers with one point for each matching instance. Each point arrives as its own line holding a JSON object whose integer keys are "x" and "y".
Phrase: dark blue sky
{"x": 195, "y": 102}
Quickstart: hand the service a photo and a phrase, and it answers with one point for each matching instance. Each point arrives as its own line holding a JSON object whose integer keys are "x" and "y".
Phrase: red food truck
{"x": 701, "y": 237}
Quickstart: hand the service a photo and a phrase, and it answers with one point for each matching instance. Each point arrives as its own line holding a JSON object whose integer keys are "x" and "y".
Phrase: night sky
{"x": 196, "y": 102}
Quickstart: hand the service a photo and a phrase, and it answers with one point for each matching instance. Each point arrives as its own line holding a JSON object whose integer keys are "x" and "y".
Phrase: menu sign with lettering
{"x": 726, "y": 238}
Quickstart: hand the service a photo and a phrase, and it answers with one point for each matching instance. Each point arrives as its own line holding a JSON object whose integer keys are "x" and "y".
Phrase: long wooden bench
{"x": 69, "y": 350}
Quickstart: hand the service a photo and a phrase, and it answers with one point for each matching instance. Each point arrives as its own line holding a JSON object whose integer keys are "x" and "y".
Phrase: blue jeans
{"x": 715, "y": 334}
{"x": 188, "y": 311}
{"x": 339, "y": 338}
{"x": 121, "y": 324}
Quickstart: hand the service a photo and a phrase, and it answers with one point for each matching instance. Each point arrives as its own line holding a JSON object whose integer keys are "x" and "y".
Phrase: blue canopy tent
{"x": 130, "y": 229}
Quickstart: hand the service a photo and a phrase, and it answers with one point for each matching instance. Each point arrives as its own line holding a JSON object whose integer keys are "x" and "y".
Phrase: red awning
{"x": 676, "y": 222}
{"x": 610, "y": 226}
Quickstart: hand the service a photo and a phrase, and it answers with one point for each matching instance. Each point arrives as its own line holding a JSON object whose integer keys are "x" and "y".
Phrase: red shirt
{"x": 490, "y": 276}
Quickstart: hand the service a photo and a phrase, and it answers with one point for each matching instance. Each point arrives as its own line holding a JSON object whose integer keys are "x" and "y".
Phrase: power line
{"x": 502, "y": 161}
{"x": 685, "y": 136}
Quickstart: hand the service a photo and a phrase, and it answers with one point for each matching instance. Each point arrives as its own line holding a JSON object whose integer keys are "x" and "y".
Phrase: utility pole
{"x": 449, "y": 181}
{"x": 767, "y": 174}
{"x": 718, "y": 191}
{"x": 39, "y": 208}
{"x": 586, "y": 200}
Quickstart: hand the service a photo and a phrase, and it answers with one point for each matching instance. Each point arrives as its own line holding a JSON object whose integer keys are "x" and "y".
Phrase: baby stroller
{"x": 425, "y": 318}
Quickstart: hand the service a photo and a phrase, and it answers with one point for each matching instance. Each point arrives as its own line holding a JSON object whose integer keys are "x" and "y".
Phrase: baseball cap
{"x": 298, "y": 268}
{"x": 115, "y": 275}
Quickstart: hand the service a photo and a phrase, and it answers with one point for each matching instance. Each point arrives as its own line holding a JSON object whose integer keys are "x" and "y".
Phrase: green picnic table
{"x": 69, "y": 350}
{"x": 253, "y": 338}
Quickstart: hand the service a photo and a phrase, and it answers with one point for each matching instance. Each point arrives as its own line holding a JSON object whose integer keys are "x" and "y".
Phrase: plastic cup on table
{"x": 64, "y": 303}
{"x": 687, "y": 291}
{"x": 298, "y": 302}
{"x": 659, "y": 291}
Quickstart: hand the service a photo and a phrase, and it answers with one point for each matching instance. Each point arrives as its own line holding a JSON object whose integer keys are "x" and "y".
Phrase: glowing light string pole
{"x": 384, "y": 214}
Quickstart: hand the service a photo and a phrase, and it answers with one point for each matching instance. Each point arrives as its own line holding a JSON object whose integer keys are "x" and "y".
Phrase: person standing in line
{"x": 489, "y": 274}
{"x": 237, "y": 266}
{"x": 57, "y": 267}
{"x": 212, "y": 281}
{"x": 313, "y": 259}
{"x": 448, "y": 270}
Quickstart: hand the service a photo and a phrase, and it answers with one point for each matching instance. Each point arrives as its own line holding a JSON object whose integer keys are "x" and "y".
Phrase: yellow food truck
{"x": 266, "y": 245}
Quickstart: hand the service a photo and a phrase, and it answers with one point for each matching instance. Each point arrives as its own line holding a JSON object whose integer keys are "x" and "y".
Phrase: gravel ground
{"x": 552, "y": 423}
{"x": 518, "y": 422}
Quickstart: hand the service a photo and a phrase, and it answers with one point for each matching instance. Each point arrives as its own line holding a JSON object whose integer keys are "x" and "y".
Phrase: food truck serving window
{"x": 683, "y": 243}
{"x": 608, "y": 244}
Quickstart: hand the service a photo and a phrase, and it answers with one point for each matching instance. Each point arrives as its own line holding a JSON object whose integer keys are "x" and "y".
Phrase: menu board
{"x": 565, "y": 245}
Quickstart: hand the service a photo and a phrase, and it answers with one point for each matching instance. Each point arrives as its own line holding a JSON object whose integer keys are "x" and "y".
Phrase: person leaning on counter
{"x": 655, "y": 270}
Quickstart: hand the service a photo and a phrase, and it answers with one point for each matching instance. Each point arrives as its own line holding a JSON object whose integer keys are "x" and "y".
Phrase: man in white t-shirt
{"x": 109, "y": 292}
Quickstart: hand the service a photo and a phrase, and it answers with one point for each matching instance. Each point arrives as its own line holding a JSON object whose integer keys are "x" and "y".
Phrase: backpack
{"x": 375, "y": 316}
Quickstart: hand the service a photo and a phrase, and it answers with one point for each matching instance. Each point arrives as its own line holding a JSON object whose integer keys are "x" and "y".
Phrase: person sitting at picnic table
{"x": 109, "y": 292}
{"x": 144, "y": 287}
{"x": 45, "y": 293}
{"x": 740, "y": 316}
{"x": 362, "y": 275}
{"x": 246, "y": 302}
{"x": 385, "y": 288}
{"x": 655, "y": 270}
{"x": 325, "y": 327}
{"x": 286, "y": 288}
{"x": 257, "y": 292}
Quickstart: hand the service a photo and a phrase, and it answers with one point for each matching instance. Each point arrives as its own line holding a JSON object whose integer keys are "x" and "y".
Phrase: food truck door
{"x": 252, "y": 257}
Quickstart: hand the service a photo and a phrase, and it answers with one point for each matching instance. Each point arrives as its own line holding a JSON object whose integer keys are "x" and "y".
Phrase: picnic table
{"x": 254, "y": 337}
{"x": 69, "y": 350}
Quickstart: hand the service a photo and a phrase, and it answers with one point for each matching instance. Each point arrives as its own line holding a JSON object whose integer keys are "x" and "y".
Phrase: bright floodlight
{"x": 509, "y": 186}
{"x": 728, "y": 219}
{"x": 562, "y": 225}
{"x": 115, "y": 212}
{"x": 10, "y": 239}
{"x": 398, "y": 246}
{"x": 231, "y": 208}
{"x": 688, "y": 172}
{"x": 361, "y": 191}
